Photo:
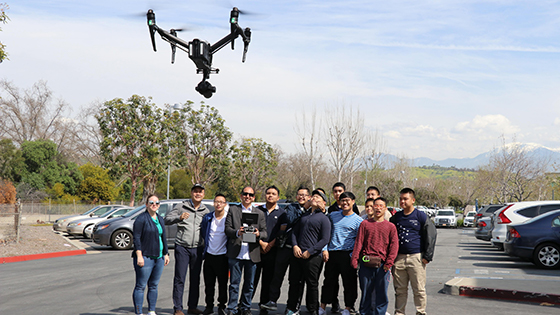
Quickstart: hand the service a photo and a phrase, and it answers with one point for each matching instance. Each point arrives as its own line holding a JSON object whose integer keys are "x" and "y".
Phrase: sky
{"x": 438, "y": 78}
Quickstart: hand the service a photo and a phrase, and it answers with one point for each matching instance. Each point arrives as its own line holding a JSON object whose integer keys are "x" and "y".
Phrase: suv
{"x": 517, "y": 213}
{"x": 486, "y": 211}
{"x": 118, "y": 232}
{"x": 445, "y": 217}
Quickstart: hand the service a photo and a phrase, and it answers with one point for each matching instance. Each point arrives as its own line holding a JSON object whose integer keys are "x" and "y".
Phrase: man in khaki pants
{"x": 417, "y": 239}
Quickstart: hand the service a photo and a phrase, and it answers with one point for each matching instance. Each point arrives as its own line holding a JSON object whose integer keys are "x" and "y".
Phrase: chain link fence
{"x": 12, "y": 216}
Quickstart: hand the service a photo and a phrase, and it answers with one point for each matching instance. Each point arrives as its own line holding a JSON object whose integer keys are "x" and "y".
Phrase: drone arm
{"x": 228, "y": 38}
{"x": 173, "y": 40}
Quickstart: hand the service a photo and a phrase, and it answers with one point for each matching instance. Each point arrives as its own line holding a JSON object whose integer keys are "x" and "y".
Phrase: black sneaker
{"x": 335, "y": 308}
{"x": 270, "y": 305}
{"x": 208, "y": 311}
{"x": 222, "y": 311}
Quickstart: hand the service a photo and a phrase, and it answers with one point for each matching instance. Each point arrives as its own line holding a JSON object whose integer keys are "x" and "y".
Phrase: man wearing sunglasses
{"x": 188, "y": 248}
{"x": 243, "y": 255}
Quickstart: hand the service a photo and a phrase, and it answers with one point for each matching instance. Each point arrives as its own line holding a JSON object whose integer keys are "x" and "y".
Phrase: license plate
{"x": 444, "y": 224}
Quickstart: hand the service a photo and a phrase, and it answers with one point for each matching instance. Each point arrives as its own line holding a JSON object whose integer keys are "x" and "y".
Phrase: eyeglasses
{"x": 302, "y": 195}
{"x": 220, "y": 202}
{"x": 151, "y": 202}
{"x": 345, "y": 200}
{"x": 248, "y": 194}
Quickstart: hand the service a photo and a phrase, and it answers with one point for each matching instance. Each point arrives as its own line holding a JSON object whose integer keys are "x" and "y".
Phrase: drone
{"x": 200, "y": 51}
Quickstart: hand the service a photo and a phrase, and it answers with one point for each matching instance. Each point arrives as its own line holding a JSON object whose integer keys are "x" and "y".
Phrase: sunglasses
{"x": 151, "y": 202}
{"x": 248, "y": 194}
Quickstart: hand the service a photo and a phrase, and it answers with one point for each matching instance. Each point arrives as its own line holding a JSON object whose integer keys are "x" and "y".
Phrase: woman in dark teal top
{"x": 150, "y": 255}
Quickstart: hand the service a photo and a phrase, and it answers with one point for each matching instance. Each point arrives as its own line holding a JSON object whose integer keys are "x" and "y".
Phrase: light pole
{"x": 177, "y": 106}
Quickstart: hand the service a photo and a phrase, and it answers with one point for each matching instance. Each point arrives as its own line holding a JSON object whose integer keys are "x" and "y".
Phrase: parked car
{"x": 517, "y": 213}
{"x": 468, "y": 220}
{"x": 537, "y": 240}
{"x": 445, "y": 217}
{"x": 484, "y": 229}
{"x": 118, "y": 232}
{"x": 61, "y": 224}
{"x": 77, "y": 227}
{"x": 486, "y": 211}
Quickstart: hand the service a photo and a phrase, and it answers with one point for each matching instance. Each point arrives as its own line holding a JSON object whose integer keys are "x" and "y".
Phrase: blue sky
{"x": 439, "y": 79}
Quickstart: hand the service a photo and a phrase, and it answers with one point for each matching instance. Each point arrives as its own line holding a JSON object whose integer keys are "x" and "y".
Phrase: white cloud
{"x": 488, "y": 124}
{"x": 557, "y": 121}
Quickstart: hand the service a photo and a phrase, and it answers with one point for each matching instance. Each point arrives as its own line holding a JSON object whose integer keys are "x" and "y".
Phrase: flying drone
{"x": 200, "y": 51}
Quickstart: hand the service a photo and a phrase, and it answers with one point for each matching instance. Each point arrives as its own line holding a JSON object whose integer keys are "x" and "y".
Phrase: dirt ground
{"x": 35, "y": 240}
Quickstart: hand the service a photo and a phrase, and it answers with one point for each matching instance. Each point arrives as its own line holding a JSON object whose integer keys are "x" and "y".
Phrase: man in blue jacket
{"x": 212, "y": 231}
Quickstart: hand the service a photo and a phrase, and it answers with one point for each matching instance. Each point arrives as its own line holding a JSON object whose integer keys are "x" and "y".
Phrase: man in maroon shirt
{"x": 376, "y": 238}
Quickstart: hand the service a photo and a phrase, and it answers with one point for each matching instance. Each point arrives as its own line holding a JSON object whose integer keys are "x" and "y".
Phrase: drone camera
{"x": 205, "y": 88}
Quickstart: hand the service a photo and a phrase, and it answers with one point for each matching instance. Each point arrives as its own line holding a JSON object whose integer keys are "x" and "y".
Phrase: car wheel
{"x": 547, "y": 256}
{"x": 121, "y": 239}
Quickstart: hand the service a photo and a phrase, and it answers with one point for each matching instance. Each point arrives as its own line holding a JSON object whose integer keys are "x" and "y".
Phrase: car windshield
{"x": 133, "y": 212}
{"x": 470, "y": 214}
{"x": 91, "y": 210}
{"x": 108, "y": 213}
{"x": 445, "y": 213}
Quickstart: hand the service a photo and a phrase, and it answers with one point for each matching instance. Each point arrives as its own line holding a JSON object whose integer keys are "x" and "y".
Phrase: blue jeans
{"x": 374, "y": 283}
{"x": 149, "y": 275}
{"x": 236, "y": 267}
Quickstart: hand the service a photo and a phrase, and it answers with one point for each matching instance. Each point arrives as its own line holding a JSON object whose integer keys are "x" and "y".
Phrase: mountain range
{"x": 538, "y": 151}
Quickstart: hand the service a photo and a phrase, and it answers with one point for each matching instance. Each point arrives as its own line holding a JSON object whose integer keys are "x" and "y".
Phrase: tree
{"x": 11, "y": 161}
{"x": 308, "y": 134}
{"x": 204, "y": 142}
{"x": 344, "y": 138}
{"x": 34, "y": 114}
{"x": 97, "y": 184}
{"x": 513, "y": 173}
{"x": 7, "y": 192}
{"x": 3, "y": 18}
{"x": 253, "y": 164}
{"x": 134, "y": 141}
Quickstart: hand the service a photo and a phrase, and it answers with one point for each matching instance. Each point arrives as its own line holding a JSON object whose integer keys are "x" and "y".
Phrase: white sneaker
{"x": 346, "y": 312}
{"x": 322, "y": 311}
{"x": 152, "y": 313}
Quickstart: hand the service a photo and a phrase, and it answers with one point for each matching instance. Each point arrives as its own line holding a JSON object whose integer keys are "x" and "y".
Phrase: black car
{"x": 486, "y": 211}
{"x": 536, "y": 240}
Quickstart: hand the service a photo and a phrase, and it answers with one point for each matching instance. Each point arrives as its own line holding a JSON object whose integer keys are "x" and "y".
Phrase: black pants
{"x": 216, "y": 267}
{"x": 266, "y": 268}
{"x": 284, "y": 259}
{"x": 339, "y": 265}
{"x": 310, "y": 270}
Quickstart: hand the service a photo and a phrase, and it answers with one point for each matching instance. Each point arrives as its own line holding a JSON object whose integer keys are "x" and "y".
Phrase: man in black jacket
{"x": 243, "y": 255}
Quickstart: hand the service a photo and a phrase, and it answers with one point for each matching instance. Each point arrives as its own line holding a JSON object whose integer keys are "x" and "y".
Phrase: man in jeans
{"x": 417, "y": 239}
{"x": 311, "y": 234}
{"x": 243, "y": 256}
{"x": 215, "y": 259}
{"x": 188, "y": 248}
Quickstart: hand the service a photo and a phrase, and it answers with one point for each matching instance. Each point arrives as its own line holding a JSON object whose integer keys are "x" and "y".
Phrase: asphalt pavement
{"x": 101, "y": 282}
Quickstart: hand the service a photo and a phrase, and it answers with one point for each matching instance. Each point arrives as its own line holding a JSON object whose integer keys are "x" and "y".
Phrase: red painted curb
{"x": 511, "y": 295}
{"x": 5, "y": 260}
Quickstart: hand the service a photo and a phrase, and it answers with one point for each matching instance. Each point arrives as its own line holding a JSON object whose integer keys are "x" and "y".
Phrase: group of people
{"x": 259, "y": 244}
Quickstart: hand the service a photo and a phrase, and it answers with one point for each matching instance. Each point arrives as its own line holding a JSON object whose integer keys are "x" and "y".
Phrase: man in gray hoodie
{"x": 188, "y": 248}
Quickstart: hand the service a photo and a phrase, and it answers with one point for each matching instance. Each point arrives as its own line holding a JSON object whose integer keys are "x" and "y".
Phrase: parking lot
{"x": 101, "y": 282}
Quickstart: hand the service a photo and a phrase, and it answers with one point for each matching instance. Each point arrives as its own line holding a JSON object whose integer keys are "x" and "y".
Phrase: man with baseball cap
{"x": 188, "y": 248}
{"x": 310, "y": 235}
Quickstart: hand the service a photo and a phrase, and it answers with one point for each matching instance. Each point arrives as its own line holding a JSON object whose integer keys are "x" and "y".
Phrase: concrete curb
{"x": 474, "y": 288}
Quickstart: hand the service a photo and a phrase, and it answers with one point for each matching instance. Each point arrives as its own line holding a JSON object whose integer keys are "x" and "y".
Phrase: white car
{"x": 517, "y": 212}
{"x": 469, "y": 218}
{"x": 445, "y": 217}
{"x": 77, "y": 227}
